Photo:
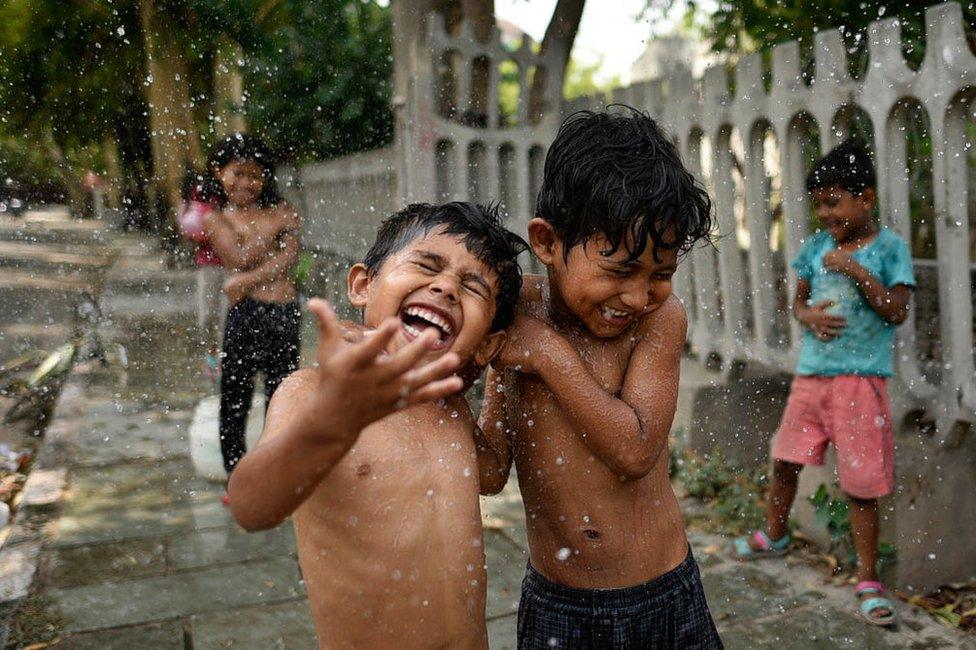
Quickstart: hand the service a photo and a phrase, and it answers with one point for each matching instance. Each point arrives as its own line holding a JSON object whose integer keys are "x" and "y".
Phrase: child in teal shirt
{"x": 854, "y": 286}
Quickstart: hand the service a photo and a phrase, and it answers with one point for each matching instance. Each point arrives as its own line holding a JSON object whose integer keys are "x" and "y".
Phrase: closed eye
{"x": 475, "y": 288}
{"x": 427, "y": 267}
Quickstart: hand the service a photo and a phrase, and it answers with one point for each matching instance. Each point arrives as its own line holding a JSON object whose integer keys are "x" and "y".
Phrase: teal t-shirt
{"x": 866, "y": 344}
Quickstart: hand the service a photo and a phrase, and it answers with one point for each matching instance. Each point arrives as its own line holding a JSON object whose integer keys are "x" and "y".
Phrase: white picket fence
{"x": 452, "y": 144}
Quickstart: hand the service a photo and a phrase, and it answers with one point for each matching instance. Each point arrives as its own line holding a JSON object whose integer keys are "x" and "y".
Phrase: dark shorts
{"x": 668, "y": 612}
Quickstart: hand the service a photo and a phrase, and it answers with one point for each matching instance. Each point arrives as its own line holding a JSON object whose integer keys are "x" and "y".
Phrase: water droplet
{"x": 563, "y": 554}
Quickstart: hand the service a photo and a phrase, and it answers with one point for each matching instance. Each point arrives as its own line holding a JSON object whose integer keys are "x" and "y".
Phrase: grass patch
{"x": 733, "y": 494}
{"x": 35, "y": 624}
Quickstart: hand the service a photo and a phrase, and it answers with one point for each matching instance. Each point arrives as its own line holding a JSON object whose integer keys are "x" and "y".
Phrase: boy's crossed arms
{"x": 623, "y": 423}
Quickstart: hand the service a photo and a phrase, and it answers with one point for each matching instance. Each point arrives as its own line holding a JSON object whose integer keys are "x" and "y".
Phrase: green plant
{"x": 732, "y": 491}
{"x": 835, "y": 515}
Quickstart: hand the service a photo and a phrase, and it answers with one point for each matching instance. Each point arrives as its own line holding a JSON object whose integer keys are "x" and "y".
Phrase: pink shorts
{"x": 850, "y": 411}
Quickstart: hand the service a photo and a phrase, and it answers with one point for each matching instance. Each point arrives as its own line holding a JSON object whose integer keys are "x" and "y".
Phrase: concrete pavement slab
{"x": 158, "y": 636}
{"x": 112, "y": 604}
{"x": 506, "y": 566}
{"x": 113, "y": 562}
{"x": 285, "y": 625}
{"x": 231, "y": 544}
{"x": 138, "y": 523}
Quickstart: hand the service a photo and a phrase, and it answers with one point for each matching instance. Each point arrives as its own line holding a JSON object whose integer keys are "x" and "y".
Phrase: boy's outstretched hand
{"x": 359, "y": 383}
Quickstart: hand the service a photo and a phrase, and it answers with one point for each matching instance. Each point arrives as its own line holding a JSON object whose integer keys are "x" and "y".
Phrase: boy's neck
{"x": 867, "y": 230}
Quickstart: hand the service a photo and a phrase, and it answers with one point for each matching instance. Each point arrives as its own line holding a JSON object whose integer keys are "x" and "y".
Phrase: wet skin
{"x": 390, "y": 537}
{"x": 259, "y": 246}
{"x": 590, "y": 378}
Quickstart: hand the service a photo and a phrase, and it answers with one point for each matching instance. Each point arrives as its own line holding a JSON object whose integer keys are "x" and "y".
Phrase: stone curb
{"x": 34, "y": 524}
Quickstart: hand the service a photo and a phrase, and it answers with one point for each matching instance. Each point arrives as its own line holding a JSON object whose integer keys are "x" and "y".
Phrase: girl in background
{"x": 256, "y": 234}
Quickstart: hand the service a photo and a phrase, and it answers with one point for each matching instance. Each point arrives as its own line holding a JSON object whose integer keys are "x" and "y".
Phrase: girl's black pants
{"x": 258, "y": 337}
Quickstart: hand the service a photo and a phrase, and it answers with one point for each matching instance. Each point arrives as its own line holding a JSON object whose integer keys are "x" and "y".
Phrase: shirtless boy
{"x": 383, "y": 480}
{"x": 589, "y": 387}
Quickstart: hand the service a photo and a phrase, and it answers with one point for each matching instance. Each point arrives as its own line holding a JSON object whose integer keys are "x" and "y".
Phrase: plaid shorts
{"x": 668, "y": 612}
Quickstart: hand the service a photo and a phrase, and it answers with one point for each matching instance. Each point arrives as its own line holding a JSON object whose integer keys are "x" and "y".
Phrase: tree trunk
{"x": 480, "y": 14}
{"x": 175, "y": 145}
{"x": 558, "y": 39}
{"x": 110, "y": 147}
{"x": 229, "y": 89}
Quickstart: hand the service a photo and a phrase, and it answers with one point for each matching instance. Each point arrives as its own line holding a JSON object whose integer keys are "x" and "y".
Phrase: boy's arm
{"x": 629, "y": 432}
{"x": 891, "y": 304}
{"x": 317, "y": 414}
{"x": 492, "y": 432}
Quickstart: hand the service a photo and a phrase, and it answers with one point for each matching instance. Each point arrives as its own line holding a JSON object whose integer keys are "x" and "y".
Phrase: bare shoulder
{"x": 530, "y": 297}
{"x": 665, "y": 326}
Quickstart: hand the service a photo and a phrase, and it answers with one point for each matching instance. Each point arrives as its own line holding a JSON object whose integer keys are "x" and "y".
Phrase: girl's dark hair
{"x": 847, "y": 165}
{"x": 618, "y": 174}
{"x": 240, "y": 146}
{"x": 480, "y": 229}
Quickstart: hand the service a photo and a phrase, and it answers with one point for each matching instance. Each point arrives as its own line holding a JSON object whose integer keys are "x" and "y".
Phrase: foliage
{"x": 743, "y": 26}
{"x": 581, "y": 81}
{"x": 321, "y": 83}
{"x": 953, "y": 605}
{"x": 72, "y": 71}
{"x": 734, "y": 492}
{"x": 27, "y": 167}
{"x": 73, "y": 76}
{"x": 835, "y": 515}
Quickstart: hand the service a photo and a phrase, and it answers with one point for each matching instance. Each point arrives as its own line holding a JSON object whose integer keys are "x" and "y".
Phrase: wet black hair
{"x": 240, "y": 146}
{"x": 478, "y": 226}
{"x": 847, "y": 165}
{"x": 618, "y": 174}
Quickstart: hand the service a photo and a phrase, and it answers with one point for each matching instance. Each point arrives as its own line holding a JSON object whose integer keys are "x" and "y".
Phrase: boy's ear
{"x": 358, "y": 285}
{"x": 489, "y": 348}
{"x": 868, "y": 197}
{"x": 543, "y": 240}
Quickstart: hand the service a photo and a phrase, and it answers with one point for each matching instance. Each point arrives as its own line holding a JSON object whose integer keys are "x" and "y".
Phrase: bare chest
{"x": 398, "y": 457}
{"x": 249, "y": 226}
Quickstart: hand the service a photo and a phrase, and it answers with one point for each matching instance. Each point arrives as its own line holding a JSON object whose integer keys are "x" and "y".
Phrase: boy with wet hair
{"x": 375, "y": 450}
{"x": 854, "y": 287}
{"x": 582, "y": 396}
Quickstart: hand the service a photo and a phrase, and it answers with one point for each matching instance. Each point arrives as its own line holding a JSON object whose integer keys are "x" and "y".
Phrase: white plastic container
{"x": 205, "y": 438}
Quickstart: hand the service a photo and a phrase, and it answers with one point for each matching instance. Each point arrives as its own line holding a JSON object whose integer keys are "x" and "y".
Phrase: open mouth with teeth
{"x": 418, "y": 318}
{"x": 615, "y": 317}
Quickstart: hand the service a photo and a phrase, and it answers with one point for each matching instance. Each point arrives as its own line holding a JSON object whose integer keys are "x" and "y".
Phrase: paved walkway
{"x": 145, "y": 556}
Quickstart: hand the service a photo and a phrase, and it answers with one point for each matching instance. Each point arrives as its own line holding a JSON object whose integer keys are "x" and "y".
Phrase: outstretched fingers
{"x": 326, "y": 319}
{"x": 366, "y": 351}
{"x": 440, "y": 368}
{"x": 409, "y": 355}
{"x": 435, "y": 390}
